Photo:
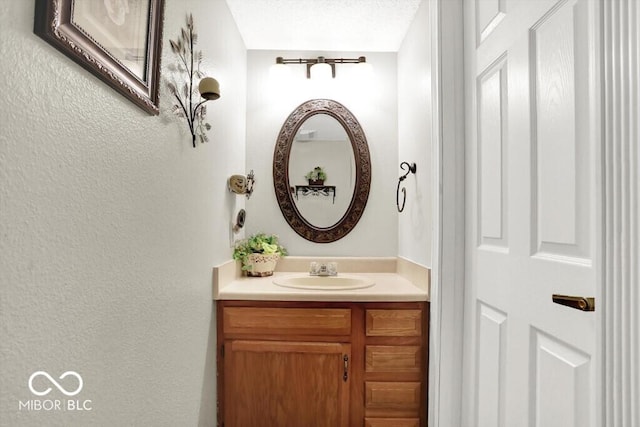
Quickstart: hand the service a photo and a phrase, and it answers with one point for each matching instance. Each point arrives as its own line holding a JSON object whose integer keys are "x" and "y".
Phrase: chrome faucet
{"x": 323, "y": 269}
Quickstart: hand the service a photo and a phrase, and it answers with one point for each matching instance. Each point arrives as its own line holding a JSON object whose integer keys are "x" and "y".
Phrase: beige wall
{"x": 415, "y": 223}
{"x": 110, "y": 223}
{"x": 374, "y": 103}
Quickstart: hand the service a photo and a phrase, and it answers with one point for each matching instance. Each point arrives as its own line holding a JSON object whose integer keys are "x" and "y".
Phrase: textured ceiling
{"x": 324, "y": 25}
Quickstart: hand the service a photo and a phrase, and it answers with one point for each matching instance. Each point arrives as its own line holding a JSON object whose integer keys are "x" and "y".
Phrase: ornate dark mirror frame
{"x": 281, "y": 170}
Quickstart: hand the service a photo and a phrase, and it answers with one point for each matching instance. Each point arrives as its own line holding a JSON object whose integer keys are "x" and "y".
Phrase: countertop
{"x": 388, "y": 287}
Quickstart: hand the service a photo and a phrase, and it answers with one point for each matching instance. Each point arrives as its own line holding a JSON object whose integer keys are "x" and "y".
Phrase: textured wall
{"x": 373, "y": 102}
{"x": 414, "y": 139}
{"x": 109, "y": 226}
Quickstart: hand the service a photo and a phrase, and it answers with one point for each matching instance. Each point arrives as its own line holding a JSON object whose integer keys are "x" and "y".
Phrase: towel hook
{"x": 411, "y": 168}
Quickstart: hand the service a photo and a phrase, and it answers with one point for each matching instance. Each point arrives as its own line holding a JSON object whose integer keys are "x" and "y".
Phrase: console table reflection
{"x": 315, "y": 190}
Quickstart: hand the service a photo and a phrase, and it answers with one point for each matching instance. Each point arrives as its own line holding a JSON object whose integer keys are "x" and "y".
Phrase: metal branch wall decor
{"x": 187, "y": 94}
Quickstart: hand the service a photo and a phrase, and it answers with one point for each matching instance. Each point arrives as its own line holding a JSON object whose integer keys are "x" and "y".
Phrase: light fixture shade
{"x": 279, "y": 72}
{"x": 209, "y": 88}
{"x": 321, "y": 71}
{"x": 365, "y": 70}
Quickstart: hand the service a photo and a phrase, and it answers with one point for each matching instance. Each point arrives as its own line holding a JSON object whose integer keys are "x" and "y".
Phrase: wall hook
{"x": 411, "y": 168}
{"x": 241, "y": 184}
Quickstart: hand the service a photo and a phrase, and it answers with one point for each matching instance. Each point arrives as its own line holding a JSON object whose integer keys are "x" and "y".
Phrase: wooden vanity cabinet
{"x": 315, "y": 364}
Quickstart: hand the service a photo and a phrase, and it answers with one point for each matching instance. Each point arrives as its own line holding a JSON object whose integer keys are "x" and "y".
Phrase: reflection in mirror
{"x": 321, "y": 142}
{"x": 322, "y": 170}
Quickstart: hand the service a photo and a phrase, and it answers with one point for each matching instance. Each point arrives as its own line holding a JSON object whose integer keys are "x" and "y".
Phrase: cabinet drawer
{"x": 386, "y": 358}
{"x": 287, "y": 321}
{"x": 392, "y": 395}
{"x": 394, "y": 323}
{"x": 391, "y": 422}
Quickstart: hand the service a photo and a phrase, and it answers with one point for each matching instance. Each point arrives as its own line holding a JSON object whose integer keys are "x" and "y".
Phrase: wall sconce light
{"x": 209, "y": 90}
{"x": 188, "y": 64}
{"x": 321, "y": 67}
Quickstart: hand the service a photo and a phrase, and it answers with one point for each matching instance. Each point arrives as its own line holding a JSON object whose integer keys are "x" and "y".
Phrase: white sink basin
{"x": 324, "y": 283}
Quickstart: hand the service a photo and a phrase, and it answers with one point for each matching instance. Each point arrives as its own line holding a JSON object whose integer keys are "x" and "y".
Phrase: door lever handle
{"x": 579, "y": 303}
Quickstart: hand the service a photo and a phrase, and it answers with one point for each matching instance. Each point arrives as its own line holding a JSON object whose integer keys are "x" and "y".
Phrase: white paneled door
{"x": 533, "y": 211}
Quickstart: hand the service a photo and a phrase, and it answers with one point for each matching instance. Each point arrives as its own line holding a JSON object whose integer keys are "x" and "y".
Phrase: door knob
{"x": 579, "y": 303}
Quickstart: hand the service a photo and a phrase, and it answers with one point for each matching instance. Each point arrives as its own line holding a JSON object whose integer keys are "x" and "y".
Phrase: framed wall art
{"x": 119, "y": 41}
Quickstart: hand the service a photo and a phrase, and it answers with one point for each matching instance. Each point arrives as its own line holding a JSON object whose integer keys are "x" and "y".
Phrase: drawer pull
{"x": 345, "y": 375}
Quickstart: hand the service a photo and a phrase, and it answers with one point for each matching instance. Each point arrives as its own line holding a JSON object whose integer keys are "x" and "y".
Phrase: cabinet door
{"x": 273, "y": 383}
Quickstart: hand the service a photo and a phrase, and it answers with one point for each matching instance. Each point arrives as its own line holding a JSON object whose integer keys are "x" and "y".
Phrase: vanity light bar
{"x": 321, "y": 60}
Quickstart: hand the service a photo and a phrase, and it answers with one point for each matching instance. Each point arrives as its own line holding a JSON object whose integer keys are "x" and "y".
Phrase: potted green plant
{"x": 316, "y": 176}
{"x": 259, "y": 254}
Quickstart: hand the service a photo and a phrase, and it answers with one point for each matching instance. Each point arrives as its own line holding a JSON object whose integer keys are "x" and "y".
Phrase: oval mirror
{"x": 322, "y": 170}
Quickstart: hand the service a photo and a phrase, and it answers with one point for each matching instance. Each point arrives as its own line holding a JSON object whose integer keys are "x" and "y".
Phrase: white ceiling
{"x": 324, "y": 25}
